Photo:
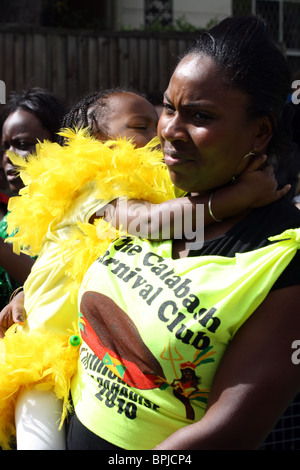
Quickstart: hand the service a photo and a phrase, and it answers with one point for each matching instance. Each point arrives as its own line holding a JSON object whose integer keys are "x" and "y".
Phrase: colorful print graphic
{"x": 114, "y": 338}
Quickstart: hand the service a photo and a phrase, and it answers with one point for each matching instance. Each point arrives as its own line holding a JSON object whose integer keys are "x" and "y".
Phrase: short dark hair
{"x": 47, "y": 107}
{"x": 251, "y": 61}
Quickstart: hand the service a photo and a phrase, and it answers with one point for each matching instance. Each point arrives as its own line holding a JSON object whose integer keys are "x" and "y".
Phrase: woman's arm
{"x": 255, "y": 381}
{"x": 17, "y": 266}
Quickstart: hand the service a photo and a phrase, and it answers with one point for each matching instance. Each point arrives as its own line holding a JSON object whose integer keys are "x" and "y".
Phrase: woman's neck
{"x": 218, "y": 229}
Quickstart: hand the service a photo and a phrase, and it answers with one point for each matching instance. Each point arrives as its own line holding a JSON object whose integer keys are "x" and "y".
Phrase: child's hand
{"x": 257, "y": 185}
{"x": 12, "y": 313}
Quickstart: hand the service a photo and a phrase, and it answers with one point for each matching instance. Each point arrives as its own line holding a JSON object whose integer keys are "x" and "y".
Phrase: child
{"x": 75, "y": 192}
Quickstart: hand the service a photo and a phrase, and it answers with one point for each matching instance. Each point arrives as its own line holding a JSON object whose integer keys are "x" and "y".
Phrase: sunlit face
{"x": 20, "y": 133}
{"x": 204, "y": 128}
{"x": 131, "y": 116}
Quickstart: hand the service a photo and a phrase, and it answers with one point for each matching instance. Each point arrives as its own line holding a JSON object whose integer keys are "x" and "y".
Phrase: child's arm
{"x": 255, "y": 187}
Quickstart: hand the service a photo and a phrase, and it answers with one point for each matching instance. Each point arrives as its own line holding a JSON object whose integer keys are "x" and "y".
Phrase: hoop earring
{"x": 250, "y": 154}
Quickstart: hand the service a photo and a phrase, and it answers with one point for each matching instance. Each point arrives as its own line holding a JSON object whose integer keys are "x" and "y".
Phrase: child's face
{"x": 131, "y": 116}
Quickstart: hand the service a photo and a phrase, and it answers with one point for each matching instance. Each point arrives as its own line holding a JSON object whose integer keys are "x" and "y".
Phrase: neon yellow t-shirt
{"x": 154, "y": 330}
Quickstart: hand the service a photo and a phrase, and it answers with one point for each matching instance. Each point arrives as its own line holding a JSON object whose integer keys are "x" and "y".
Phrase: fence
{"x": 75, "y": 63}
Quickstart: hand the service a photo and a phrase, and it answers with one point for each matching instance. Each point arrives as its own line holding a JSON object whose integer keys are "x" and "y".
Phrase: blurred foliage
{"x": 179, "y": 25}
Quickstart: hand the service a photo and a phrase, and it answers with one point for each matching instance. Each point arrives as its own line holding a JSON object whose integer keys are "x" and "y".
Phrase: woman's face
{"x": 20, "y": 133}
{"x": 204, "y": 128}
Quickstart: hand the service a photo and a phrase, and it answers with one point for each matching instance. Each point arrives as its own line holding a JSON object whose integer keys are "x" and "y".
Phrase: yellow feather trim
{"x": 33, "y": 354}
{"x": 55, "y": 175}
{"x": 85, "y": 246}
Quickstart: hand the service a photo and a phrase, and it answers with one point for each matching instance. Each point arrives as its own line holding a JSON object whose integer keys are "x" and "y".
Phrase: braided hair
{"x": 250, "y": 60}
{"x": 92, "y": 112}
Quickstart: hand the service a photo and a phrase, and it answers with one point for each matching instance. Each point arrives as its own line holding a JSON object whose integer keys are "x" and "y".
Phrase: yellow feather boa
{"x": 53, "y": 179}
{"x": 40, "y": 359}
{"x": 54, "y": 176}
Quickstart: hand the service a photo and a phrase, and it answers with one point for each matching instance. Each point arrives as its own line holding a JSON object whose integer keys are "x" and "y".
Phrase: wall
{"x": 196, "y": 12}
{"x": 130, "y": 13}
{"x": 200, "y": 13}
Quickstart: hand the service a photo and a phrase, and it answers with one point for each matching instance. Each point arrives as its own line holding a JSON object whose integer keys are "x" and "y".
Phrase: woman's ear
{"x": 264, "y": 133}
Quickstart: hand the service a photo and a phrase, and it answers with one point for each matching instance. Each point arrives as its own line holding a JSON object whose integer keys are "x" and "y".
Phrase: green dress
{"x": 7, "y": 284}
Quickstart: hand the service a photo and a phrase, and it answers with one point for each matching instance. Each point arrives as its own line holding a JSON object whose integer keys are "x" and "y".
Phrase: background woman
{"x": 30, "y": 116}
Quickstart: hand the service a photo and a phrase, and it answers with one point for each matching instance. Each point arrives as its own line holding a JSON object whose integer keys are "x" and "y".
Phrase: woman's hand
{"x": 14, "y": 312}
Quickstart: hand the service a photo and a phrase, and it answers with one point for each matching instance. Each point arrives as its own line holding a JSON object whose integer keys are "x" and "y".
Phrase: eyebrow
{"x": 146, "y": 117}
{"x": 194, "y": 104}
{"x": 166, "y": 97}
{"x": 142, "y": 116}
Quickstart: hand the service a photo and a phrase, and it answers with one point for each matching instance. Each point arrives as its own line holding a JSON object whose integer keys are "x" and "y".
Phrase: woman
{"x": 31, "y": 116}
{"x": 188, "y": 350}
{"x": 55, "y": 176}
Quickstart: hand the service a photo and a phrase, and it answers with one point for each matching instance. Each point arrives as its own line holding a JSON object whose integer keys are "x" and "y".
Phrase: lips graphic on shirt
{"x": 114, "y": 338}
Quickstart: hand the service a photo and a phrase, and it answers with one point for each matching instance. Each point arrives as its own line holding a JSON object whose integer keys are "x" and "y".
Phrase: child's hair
{"x": 92, "y": 112}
